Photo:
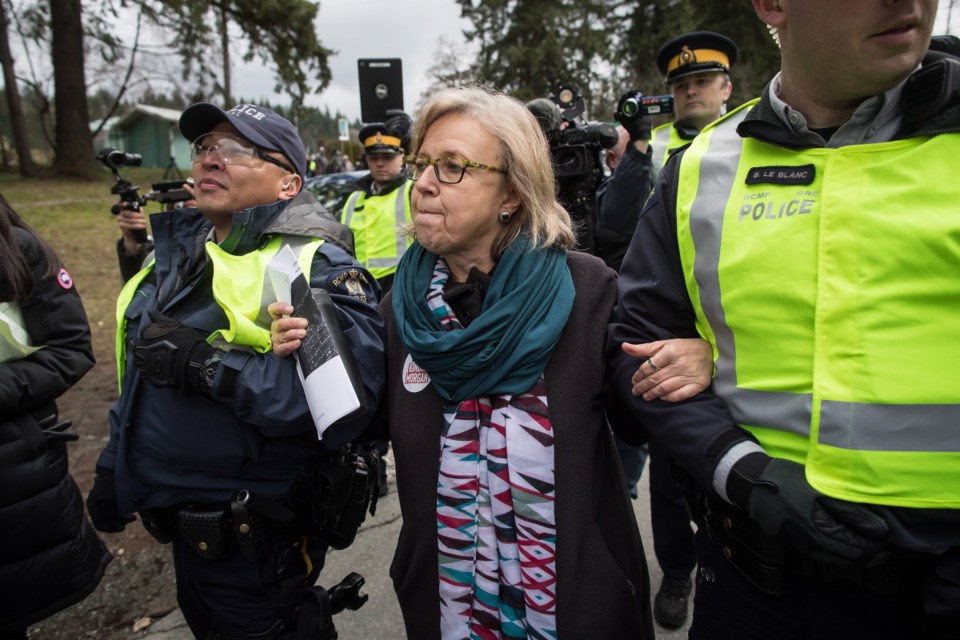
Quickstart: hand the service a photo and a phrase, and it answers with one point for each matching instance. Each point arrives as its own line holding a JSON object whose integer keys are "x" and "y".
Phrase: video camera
{"x": 167, "y": 192}
{"x": 576, "y": 150}
{"x": 641, "y": 105}
{"x": 576, "y": 147}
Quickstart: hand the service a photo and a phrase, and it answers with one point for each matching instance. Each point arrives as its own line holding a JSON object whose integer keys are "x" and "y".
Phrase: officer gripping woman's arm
{"x": 822, "y": 504}
{"x": 211, "y": 440}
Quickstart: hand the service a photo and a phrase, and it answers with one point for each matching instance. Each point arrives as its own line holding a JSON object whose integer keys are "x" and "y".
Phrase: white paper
{"x": 326, "y": 383}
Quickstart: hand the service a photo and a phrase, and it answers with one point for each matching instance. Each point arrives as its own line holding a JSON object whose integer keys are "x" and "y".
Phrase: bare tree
{"x": 17, "y": 120}
{"x": 450, "y": 68}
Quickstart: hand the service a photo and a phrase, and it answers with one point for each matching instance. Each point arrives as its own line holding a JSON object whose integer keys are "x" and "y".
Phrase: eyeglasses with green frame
{"x": 448, "y": 170}
{"x": 232, "y": 150}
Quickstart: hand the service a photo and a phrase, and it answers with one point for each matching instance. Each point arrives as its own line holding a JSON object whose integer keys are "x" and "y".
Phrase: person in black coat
{"x": 50, "y": 556}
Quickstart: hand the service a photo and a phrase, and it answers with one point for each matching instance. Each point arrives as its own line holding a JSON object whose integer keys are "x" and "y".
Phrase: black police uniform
{"x": 219, "y": 452}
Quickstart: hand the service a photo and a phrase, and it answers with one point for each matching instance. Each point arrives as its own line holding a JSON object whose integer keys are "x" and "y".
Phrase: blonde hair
{"x": 525, "y": 157}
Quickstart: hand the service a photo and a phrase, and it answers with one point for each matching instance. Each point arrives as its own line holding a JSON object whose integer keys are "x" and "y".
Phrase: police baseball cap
{"x": 697, "y": 52}
{"x": 375, "y": 138}
{"x": 261, "y": 126}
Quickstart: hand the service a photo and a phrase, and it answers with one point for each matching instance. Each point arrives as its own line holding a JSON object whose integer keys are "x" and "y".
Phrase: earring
{"x": 505, "y": 216}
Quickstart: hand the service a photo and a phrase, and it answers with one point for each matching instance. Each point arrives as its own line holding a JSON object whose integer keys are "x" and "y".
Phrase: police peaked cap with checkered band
{"x": 261, "y": 126}
{"x": 697, "y": 52}
{"x": 375, "y": 138}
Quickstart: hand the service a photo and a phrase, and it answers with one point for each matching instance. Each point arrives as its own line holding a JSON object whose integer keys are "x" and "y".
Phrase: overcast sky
{"x": 405, "y": 29}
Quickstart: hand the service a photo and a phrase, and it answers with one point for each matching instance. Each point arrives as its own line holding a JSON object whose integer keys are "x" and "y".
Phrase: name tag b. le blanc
{"x": 803, "y": 174}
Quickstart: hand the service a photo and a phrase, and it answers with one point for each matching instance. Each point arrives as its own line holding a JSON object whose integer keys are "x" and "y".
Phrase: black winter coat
{"x": 50, "y": 556}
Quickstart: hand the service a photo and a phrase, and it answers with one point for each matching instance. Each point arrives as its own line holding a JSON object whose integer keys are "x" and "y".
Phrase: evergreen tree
{"x": 651, "y": 23}
{"x": 526, "y": 47}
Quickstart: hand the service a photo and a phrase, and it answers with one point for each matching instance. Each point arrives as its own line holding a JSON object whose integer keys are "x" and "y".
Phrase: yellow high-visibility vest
{"x": 375, "y": 221}
{"x": 240, "y": 288}
{"x": 828, "y": 282}
{"x": 664, "y": 140}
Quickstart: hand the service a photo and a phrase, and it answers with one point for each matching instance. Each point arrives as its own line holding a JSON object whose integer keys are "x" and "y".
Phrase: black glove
{"x": 636, "y": 124}
{"x": 783, "y": 503}
{"x": 102, "y": 504}
{"x": 170, "y": 354}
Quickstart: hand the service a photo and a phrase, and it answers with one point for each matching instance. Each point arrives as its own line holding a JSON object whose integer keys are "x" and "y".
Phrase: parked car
{"x": 333, "y": 189}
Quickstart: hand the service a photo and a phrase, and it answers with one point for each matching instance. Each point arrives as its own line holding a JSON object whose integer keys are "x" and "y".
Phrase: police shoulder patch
{"x": 351, "y": 282}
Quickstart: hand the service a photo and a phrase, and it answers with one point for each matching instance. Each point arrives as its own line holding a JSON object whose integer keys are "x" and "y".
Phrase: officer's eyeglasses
{"x": 233, "y": 150}
{"x": 447, "y": 170}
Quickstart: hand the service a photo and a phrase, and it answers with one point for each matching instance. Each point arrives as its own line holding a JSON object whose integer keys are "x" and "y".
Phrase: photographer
{"x": 132, "y": 250}
{"x": 576, "y": 147}
{"x": 611, "y": 244}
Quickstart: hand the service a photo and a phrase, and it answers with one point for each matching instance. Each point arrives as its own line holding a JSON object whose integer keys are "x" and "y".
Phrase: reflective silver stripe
{"x": 351, "y": 206}
{"x": 382, "y": 263}
{"x": 401, "y": 218}
{"x": 659, "y": 143}
{"x": 890, "y": 427}
{"x": 718, "y": 170}
{"x": 722, "y": 473}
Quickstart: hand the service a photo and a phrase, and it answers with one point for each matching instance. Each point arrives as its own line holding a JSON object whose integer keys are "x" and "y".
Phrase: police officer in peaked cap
{"x": 697, "y": 52}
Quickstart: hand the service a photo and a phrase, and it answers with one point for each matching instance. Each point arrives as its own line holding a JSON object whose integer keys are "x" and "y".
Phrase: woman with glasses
{"x": 516, "y": 518}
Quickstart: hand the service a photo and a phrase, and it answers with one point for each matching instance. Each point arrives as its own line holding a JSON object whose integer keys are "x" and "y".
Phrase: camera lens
{"x": 117, "y": 159}
{"x": 630, "y": 107}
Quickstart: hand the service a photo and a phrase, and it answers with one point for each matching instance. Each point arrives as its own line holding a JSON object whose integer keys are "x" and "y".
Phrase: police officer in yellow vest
{"x": 697, "y": 70}
{"x": 211, "y": 440}
{"x": 810, "y": 237}
{"x": 696, "y": 67}
{"x": 381, "y": 206}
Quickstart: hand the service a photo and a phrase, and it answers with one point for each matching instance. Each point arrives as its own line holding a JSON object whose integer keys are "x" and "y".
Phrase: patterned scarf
{"x": 496, "y": 527}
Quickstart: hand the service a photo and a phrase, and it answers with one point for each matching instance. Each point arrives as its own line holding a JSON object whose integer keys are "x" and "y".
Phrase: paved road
{"x": 370, "y": 556}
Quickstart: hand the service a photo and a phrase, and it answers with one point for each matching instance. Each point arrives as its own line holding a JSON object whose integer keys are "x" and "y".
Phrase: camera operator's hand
{"x": 192, "y": 202}
{"x": 129, "y": 222}
{"x": 636, "y": 124}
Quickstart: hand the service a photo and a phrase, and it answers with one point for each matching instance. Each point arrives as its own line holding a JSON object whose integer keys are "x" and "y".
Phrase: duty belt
{"x": 213, "y": 531}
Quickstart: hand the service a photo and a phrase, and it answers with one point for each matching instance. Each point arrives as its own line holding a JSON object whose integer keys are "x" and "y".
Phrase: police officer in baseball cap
{"x": 225, "y": 455}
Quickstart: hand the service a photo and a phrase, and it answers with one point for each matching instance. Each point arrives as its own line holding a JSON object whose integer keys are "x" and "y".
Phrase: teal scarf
{"x": 506, "y": 348}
